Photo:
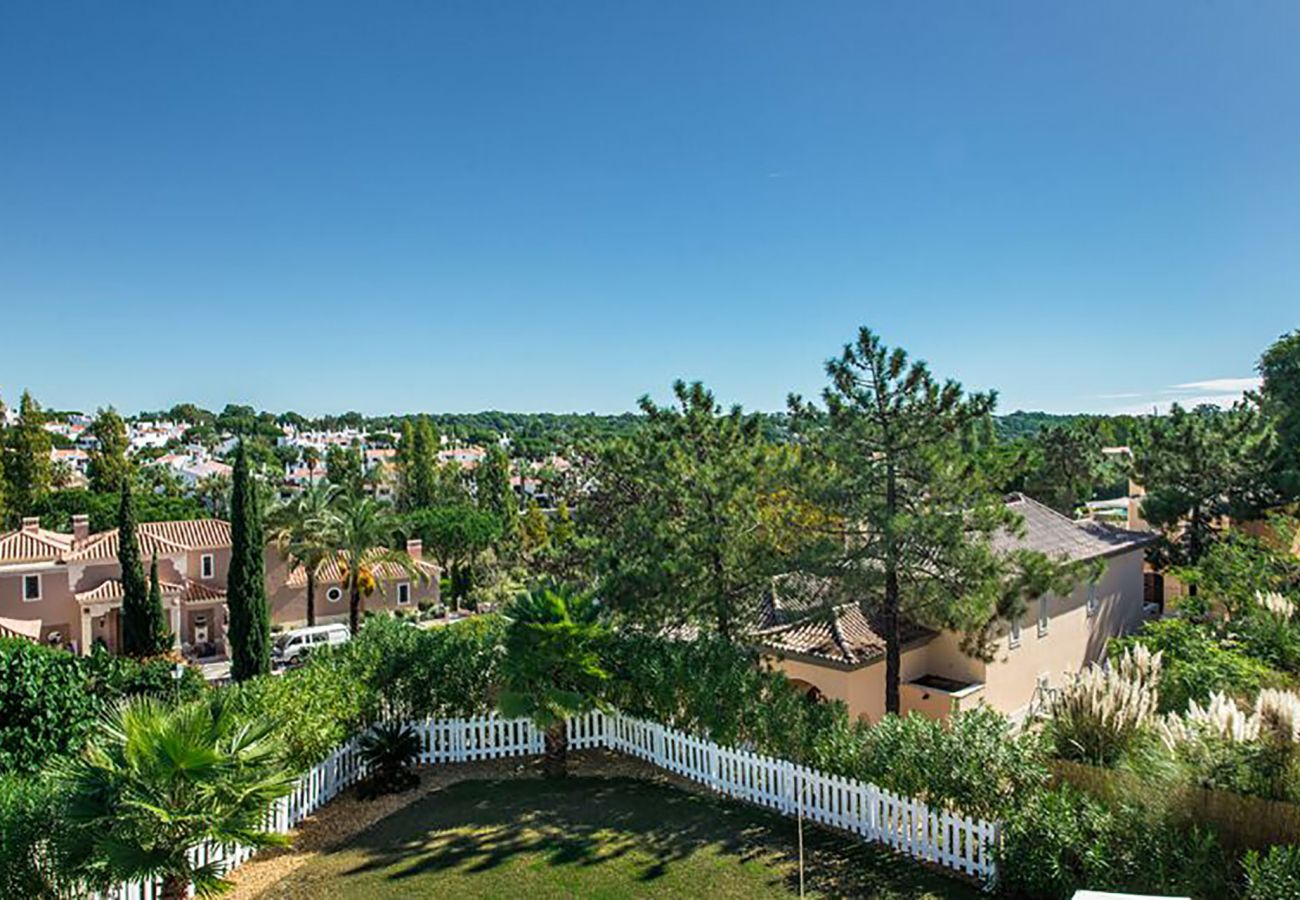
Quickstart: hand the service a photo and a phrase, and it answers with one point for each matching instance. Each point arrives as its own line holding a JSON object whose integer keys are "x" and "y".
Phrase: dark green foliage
{"x": 1274, "y": 875}
{"x": 57, "y": 508}
{"x": 30, "y": 823}
{"x": 1065, "y": 468}
{"x": 681, "y": 507}
{"x": 50, "y": 699}
{"x": 27, "y": 465}
{"x": 346, "y": 469}
{"x": 389, "y": 750}
{"x": 250, "y": 617}
{"x": 1197, "y": 663}
{"x": 1280, "y": 401}
{"x": 144, "y": 624}
{"x": 1198, "y": 467}
{"x": 1056, "y": 842}
{"x": 417, "y": 465}
{"x": 108, "y": 466}
{"x": 910, "y": 511}
{"x": 974, "y": 762}
{"x": 456, "y": 537}
{"x": 495, "y": 496}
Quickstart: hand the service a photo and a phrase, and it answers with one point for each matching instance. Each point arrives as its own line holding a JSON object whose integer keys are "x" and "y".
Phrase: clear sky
{"x": 562, "y": 205}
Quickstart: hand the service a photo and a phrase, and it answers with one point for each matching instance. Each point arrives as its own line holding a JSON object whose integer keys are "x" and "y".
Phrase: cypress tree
{"x": 157, "y": 615}
{"x": 137, "y": 624}
{"x": 250, "y": 618}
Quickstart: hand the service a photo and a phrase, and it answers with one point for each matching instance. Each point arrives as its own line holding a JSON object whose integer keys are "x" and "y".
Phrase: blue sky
{"x": 561, "y": 205}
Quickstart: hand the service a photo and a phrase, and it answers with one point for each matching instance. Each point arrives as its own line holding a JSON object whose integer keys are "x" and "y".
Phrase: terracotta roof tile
{"x": 36, "y": 545}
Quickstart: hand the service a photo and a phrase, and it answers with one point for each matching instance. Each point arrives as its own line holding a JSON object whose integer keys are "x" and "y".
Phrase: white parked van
{"x": 293, "y": 646}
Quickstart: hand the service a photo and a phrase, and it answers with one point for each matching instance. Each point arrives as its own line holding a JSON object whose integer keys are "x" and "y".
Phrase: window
{"x": 1042, "y": 616}
{"x": 334, "y": 595}
{"x": 31, "y": 588}
{"x": 1014, "y": 639}
{"x": 403, "y": 594}
{"x": 206, "y": 565}
{"x": 1092, "y": 599}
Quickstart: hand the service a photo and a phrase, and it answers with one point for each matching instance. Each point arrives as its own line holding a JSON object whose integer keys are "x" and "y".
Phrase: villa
{"x": 66, "y": 590}
{"x": 833, "y": 650}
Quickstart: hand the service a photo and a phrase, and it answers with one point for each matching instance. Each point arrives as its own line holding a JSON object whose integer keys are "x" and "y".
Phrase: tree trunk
{"x": 311, "y": 597}
{"x": 354, "y": 608}
{"x": 893, "y": 633}
{"x": 555, "y": 764}
{"x": 174, "y": 887}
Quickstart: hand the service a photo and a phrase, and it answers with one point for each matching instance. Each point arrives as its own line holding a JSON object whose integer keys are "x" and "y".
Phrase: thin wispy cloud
{"x": 1223, "y": 392}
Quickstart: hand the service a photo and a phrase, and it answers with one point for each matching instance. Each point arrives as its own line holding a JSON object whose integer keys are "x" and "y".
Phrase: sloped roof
{"x": 110, "y": 591}
{"x": 161, "y": 537}
{"x": 33, "y": 545}
{"x": 105, "y": 546}
{"x": 1047, "y": 531}
{"x": 193, "y": 534}
{"x": 842, "y": 635}
{"x": 330, "y": 573}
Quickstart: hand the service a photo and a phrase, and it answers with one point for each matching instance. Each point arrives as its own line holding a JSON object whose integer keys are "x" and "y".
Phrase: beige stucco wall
{"x": 862, "y": 690}
{"x": 1073, "y": 640}
{"x": 57, "y": 609}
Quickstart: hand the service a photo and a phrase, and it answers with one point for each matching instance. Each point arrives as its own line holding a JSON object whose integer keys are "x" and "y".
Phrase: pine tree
{"x": 911, "y": 516}
{"x": 139, "y": 626}
{"x": 495, "y": 495}
{"x": 28, "y": 467}
{"x": 250, "y": 619}
{"x": 108, "y": 463}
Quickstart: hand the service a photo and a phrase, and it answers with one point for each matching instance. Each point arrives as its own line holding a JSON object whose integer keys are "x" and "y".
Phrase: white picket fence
{"x": 937, "y": 836}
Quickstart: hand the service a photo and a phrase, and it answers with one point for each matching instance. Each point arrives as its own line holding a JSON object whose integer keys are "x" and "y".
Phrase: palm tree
{"x": 360, "y": 536}
{"x": 157, "y": 780}
{"x": 301, "y": 530}
{"x": 552, "y": 669}
{"x": 311, "y": 456}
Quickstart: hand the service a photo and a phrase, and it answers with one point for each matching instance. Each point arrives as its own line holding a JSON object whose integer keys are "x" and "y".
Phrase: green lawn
{"x": 603, "y": 838}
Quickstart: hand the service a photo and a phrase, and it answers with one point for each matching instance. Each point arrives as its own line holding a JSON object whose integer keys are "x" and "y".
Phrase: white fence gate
{"x": 940, "y": 836}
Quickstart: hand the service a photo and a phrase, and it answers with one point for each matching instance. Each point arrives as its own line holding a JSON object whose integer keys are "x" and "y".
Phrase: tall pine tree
{"x": 250, "y": 618}
{"x": 494, "y": 494}
{"x": 108, "y": 464}
{"x": 144, "y": 625}
{"x": 911, "y": 515}
{"x": 28, "y": 467}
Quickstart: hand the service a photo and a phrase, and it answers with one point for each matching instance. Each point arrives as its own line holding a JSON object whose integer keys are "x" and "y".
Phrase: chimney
{"x": 31, "y": 523}
{"x": 80, "y": 528}
{"x": 415, "y": 548}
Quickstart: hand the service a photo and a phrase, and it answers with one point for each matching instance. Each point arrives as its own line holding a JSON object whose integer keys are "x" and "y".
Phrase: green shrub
{"x": 29, "y": 817}
{"x": 1274, "y": 875}
{"x": 973, "y": 763}
{"x": 1197, "y": 663}
{"x": 1057, "y": 842}
{"x": 45, "y": 707}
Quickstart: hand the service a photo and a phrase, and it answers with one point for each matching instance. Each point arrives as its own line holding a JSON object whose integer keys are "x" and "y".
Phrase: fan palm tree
{"x": 360, "y": 536}
{"x": 301, "y": 530}
{"x": 552, "y": 668}
{"x": 157, "y": 780}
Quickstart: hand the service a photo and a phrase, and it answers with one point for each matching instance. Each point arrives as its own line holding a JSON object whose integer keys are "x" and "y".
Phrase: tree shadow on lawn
{"x": 636, "y": 826}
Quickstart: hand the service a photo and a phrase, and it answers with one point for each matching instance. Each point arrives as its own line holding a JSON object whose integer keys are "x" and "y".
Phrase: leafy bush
{"x": 973, "y": 763}
{"x": 1057, "y": 842}
{"x": 1274, "y": 875}
{"x": 45, "y": 707}
{"x": 1197, "y": 663}
{"x": 29, "y": 817}
{"x": 50, "y": 698}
